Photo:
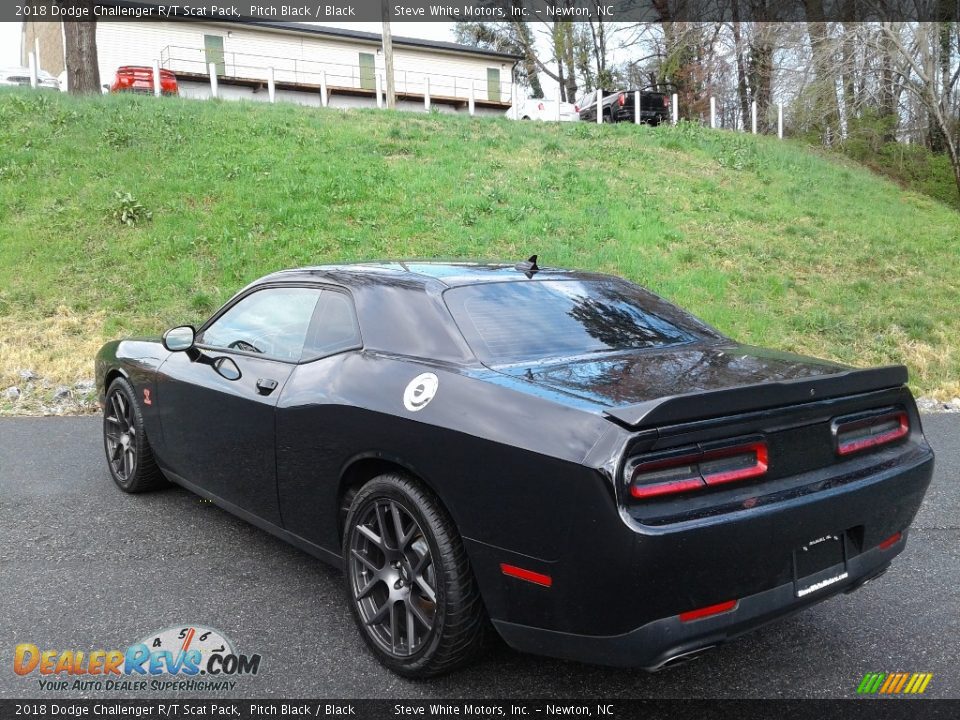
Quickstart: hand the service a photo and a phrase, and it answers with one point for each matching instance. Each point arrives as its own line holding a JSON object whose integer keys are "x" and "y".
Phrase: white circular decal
{"x": 420, "y": 391}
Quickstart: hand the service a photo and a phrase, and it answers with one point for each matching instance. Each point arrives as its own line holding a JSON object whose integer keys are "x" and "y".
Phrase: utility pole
{"x": 388, "y": 55}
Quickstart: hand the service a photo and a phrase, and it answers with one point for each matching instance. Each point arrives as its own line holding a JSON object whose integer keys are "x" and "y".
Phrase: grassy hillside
{"x": 769, "y": 242}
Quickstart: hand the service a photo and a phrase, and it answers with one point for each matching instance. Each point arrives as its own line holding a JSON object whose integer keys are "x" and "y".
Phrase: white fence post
{"x": 559, "y": 109}
{"x": 271, "y": 86}
{"x": 32, "y": 61}
{"x": 379, "y": 90}
{"x": 156, "y": 78}
{"x": 36, "y": 51}
{"x": 676, "y": 108}
{"x": 323, "y": 89}
{"x": 472, "y": 101}
{"x": 713, "y": 113}
{"x": 753, "y": 117}
{"x": 212, "y": 67}
{"x": 780, "y": 120}
{"x": 426, "y": 93}
{"x": 636, "y": 107}
{"x": 599, "y": 106}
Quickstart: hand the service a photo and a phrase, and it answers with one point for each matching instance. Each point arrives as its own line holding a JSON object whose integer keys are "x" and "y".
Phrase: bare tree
{"x": 926, "y": 82}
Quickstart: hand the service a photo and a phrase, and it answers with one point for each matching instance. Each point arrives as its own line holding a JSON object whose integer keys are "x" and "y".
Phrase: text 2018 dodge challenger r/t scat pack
{"x": 562, "y": 454}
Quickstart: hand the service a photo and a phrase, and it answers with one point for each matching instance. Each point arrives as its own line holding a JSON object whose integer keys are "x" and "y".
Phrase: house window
{"x": 213, "y": 52}
{"x": 493, "y": 84}
{"x": 368, "y": 79}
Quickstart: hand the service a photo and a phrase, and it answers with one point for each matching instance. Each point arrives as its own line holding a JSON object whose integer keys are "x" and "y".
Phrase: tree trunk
{"x": 827, "y": 106}
{"x": 80, "y": 52}
{"x": 848, "y": 71}
{"x": 742, "y": 92}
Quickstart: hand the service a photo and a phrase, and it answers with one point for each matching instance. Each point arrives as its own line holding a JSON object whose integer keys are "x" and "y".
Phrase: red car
{"x": 139, "y": 79}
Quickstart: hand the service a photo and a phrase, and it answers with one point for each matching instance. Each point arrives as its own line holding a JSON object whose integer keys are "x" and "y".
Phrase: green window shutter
{"x": 213, "y": 52}
{"x": 493, "y": 84}
{"x": 368, "y": 70}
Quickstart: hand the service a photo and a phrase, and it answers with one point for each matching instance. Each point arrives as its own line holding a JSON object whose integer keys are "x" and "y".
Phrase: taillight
{"x": 708, "y": 611}
{"x": 890, "y": 541}
{"x": 540, "y": 107}
{"x": 666, "y": 101}
{"x": 698, "y": 469}
{"x": 576, "y": 108}
{"x": 860, "y": 433}
{"x": 621, "y": 100}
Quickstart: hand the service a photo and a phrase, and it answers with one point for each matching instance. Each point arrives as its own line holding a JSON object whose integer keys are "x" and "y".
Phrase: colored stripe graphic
{"x": 894, "y": 683}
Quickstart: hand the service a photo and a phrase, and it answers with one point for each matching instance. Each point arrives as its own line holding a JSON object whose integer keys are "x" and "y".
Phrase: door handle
{"x": 265, "y": 386}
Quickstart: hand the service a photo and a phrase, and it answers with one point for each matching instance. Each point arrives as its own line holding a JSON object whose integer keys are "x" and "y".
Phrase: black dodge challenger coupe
{"x": 562, "y": 455}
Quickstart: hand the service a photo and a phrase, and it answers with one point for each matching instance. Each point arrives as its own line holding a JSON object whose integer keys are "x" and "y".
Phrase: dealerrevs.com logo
{"x": 188, "y": 657}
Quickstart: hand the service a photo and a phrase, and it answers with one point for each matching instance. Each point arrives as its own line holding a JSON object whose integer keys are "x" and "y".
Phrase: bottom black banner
{"x": 874, "y": 709}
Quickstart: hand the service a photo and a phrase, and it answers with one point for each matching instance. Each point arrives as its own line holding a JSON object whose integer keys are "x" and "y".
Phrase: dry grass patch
{"x": 59, "y": 348}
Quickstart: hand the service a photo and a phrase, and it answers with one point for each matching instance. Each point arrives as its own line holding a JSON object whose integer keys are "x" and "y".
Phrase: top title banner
{"x": 653, "y": 11}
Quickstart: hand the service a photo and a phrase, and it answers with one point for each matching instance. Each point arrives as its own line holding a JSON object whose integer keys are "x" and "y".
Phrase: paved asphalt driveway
{"x": 84, "y": 566}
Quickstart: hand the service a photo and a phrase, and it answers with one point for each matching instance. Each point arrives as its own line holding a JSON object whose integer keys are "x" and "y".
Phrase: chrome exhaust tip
{"x": 681, "y": 658}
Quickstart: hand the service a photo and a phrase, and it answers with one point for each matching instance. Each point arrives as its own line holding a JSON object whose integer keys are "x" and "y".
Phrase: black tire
{"x": 608, "y": 118}
{"x": 129, "y": 456}
{"x": 379, "y": 576}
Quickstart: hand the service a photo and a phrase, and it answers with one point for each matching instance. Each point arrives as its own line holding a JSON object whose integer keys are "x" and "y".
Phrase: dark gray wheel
{"x": 129, "y": 456}
{"x": 409, "y": 583}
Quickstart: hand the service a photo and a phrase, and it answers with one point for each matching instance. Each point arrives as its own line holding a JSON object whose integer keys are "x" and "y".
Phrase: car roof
{"x": 427, "y": 274}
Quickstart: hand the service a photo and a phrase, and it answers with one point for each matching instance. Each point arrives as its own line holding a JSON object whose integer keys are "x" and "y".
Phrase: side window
{"x": 272, "y": 322}
{"x": 334, "y": 327}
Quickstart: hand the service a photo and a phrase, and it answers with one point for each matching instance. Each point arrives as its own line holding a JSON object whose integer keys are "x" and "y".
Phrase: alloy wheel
{"x": 392, "y": 577}
{"x": 121, "y": 435}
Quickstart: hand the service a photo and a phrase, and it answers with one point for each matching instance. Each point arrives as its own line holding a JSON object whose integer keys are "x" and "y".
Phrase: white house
{"x": 307, "y": 62}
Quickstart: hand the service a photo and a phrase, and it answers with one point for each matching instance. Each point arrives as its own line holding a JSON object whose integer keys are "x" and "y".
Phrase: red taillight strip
{"x": 700, "y": 480}
{"x": 847, "y": 448}
{"x": 890, "y": 541}
{"x": 708, "y": 611}
{"x": 528, "y": 575}
{"x": 665, "y": 488}
{"x": 760, "y": 468}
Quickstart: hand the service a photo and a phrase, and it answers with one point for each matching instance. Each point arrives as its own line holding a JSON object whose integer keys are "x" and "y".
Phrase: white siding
{"x": 249, "y": 52}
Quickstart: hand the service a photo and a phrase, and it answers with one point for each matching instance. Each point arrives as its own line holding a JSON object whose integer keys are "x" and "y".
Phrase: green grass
{"x": 911, "y": 166}
{"x": 770, "y": 242}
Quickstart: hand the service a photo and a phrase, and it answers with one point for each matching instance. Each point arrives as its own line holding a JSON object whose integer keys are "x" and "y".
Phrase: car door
{"x": 219, "y": 430}
{"x": 318, "y": 427}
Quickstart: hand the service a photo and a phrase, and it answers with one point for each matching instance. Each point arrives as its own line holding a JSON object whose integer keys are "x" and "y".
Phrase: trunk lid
{"x": 648, "y": 388}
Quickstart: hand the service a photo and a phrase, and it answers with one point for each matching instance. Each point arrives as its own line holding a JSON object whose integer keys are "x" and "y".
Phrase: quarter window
{"x": 273, "y": 322}
{"x": 333, "y": 328}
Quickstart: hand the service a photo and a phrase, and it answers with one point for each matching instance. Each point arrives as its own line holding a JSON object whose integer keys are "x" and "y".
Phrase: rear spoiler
{"x": 730, "y": 401}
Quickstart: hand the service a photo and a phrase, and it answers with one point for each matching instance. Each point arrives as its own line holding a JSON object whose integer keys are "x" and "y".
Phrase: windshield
{"x": 511, "y": 322}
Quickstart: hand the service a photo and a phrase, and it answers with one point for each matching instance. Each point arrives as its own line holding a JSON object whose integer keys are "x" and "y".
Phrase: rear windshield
{"x": 510, "y": 322}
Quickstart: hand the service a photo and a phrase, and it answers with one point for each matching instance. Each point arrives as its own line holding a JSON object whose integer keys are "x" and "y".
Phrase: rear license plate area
{"x": 820, "y": 563}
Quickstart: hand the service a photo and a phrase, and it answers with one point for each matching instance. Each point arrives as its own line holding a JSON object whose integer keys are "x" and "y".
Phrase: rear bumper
{"x": 617, "y": 590}
{"x": 661, "y": 642}
{"x": 625, "y": 114}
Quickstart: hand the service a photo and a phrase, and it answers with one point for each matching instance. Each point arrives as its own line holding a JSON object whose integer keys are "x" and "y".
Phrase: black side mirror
{"x": 179, "y": 339}
{"x": 226, "y": 368}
